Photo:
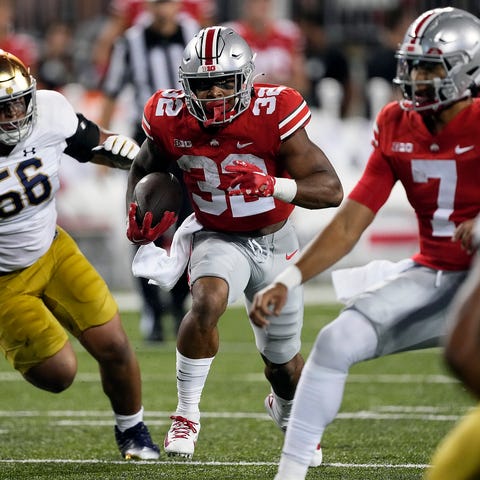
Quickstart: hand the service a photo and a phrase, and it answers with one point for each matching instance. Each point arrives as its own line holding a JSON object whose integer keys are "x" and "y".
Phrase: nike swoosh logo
{"x": 459, "y": 150}
{"x": 243, "y": 145}
{"x": 289, "y": 256}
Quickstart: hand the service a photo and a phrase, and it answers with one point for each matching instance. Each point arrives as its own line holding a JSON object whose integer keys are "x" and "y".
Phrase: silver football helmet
{"x": 449, "y": 37}
{"x": 16, "y": 83}
{"x": 217, "y": 53}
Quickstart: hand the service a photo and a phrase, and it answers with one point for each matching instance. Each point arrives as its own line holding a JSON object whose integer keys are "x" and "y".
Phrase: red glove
{"x": 147, "y": 233}
{"x": 250, "y": 180}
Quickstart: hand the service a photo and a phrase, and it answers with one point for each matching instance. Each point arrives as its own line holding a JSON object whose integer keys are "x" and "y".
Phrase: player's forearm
{"x": 134, "y": 176}
{"x": 336, "y": 240}
{"x": 143, "y": 164}
{"x": 321, "y": 190}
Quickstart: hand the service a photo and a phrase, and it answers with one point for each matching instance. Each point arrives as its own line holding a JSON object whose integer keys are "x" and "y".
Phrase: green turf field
{"x": 395, "y": 411}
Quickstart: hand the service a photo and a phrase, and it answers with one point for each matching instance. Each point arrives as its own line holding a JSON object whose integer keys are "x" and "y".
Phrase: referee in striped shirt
{"x": 146, "y": 57}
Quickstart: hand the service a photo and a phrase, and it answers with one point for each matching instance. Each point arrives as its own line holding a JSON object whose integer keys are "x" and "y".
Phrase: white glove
{"x": 121, "y": 145}
{"x": 120, "y": 149}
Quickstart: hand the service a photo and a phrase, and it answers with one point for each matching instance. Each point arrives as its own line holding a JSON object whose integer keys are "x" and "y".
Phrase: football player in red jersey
{"x": 428, "y": 142}
{"x": 247, "y": 161}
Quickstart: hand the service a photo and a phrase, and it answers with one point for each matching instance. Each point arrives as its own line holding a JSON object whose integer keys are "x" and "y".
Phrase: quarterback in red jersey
{"x": 247, "y": 161}
{"x": 429, "y": 143}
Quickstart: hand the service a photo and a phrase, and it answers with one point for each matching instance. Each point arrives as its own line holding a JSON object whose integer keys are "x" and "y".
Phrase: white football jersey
{"x": 29, "y": 179}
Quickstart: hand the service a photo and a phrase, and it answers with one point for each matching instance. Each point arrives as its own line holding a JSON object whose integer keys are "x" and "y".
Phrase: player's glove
{"x": 146, "y": 233}
{"x": 121, "y": 150}
{"x": 250, "y": 180}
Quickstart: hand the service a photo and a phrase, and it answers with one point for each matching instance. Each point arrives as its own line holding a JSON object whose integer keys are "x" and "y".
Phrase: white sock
{"x": 317, "y": 400}
{"x": 288, "y": 469}
{"x": 318, "y": 397}
{"x": 124, "y": 422}
{"x": 191, "y": 377}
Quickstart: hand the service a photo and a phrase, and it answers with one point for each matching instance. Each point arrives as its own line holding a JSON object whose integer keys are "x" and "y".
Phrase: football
{"x": 157, "y": 192}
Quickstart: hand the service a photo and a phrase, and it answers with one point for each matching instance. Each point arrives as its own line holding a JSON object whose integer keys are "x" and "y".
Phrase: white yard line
{"x": 92, "y": 418}
{"x": 191, "y": 463}
{"x": 259, "y": 377}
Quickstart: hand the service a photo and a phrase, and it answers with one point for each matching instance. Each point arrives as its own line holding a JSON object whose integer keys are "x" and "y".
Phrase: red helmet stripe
{"x": 210, "y": 45}
{"x": 422, "y": 24}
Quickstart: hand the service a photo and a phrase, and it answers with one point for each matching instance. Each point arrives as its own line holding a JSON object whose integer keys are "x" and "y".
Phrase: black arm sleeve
{"x": 80, "y": 144}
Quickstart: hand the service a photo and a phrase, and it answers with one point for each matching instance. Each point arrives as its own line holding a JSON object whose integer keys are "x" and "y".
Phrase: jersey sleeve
{"x": 147, "y": 115}
{"x": 293, "y": 112}
{"x": 378, "y": 178}
{"x": 57, "y": 113}
{"x": 161, "y": 108}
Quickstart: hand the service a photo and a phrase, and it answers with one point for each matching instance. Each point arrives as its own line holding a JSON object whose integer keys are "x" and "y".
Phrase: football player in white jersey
{"x": 47, "y": 286}
{"x": 247, "y": 161}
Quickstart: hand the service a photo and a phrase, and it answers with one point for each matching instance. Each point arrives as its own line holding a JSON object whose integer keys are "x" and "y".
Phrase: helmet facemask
{"x": 229, "y": 59}
{"x": 14, "y": 131}
{"x": 16, "y": 84}
{"x": 425, "y": 95}
{"x": 216, "y": 111}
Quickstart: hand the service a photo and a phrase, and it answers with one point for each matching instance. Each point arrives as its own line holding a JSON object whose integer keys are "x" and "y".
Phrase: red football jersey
{"x": 440, "y": 174}
{"x": 274, "y": 114}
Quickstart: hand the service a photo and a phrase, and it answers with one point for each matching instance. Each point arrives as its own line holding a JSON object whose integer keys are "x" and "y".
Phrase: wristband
{"x": 291, "y": 277}
{"x": 285, "y": 189}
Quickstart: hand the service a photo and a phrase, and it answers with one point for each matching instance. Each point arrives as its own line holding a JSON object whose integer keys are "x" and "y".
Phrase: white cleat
{"x": 181, "y": 438}
{"x": 317, "y": 458}
{"x": 280, "y": 422}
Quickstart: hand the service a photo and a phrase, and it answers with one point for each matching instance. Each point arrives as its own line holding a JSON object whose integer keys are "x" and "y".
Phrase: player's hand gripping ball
{"x": 157, "y": 199}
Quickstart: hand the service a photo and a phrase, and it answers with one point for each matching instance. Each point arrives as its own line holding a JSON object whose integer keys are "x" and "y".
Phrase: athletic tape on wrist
{"x": 291, "y": 277}
{"x": 285, "y": 189}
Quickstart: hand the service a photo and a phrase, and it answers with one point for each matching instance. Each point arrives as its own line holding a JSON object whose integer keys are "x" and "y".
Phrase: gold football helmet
{"x": 16, "y": 83}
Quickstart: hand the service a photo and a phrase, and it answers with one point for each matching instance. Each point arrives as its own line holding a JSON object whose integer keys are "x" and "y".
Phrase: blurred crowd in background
{"x": 350, "y": 41}
{"x": 338, "y": 53}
